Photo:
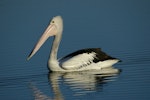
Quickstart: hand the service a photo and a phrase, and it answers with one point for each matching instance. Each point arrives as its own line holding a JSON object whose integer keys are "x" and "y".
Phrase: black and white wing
{"x": 83, "y": 58}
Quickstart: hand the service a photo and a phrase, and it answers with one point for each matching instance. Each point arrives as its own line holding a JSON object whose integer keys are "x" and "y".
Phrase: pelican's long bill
{"x": 50, "y": 31}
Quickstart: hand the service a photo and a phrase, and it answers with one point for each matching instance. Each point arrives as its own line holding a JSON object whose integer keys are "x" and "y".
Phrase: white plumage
{"x": 78, "y": 61}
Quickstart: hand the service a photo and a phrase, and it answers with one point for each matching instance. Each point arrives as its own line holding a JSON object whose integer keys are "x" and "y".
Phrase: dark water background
{"x": 120, "y": 27}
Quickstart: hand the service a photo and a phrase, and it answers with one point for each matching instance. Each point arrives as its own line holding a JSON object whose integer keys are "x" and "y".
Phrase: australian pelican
{"x": 85, "y": 59}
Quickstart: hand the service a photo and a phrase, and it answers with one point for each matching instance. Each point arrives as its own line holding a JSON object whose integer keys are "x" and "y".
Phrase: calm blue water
{"x": 120, "y": 27}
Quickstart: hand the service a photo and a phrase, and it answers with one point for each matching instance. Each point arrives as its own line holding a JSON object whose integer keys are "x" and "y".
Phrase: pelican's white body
{"x": 54, "y": 66}
{"x": 80, "y": 63}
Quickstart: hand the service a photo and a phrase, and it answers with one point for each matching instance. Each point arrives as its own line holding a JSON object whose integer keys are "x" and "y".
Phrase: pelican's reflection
{"x": 81, "y": 83}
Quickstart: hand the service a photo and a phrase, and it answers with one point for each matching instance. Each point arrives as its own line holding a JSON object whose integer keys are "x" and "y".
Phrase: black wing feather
{"x": 100, "y": 55}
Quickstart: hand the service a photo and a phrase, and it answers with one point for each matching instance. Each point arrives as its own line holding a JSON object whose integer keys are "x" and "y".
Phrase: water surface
{"x": 120, "y": 28}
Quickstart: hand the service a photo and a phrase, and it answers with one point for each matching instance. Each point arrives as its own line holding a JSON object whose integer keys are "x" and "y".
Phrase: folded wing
{"x": 77, "y": 61}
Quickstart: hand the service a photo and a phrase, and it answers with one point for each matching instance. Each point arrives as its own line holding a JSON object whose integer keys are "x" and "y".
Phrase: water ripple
{"x": 78, "y": 83}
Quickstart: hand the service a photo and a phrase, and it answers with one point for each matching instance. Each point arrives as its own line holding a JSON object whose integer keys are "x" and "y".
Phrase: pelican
{"x": 85, "y": 59}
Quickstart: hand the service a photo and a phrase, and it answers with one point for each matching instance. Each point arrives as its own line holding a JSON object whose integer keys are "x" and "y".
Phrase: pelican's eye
{"x": 53, "y": 22}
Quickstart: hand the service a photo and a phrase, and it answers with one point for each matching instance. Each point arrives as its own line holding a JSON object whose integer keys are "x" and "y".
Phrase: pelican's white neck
{"x": 55, "y": 46}
{"x": 53, "y": 62}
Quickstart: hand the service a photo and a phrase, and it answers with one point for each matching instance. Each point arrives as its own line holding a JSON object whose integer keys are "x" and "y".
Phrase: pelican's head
{"x": 54, "y": 28}
{"x": 58, "y": 23}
